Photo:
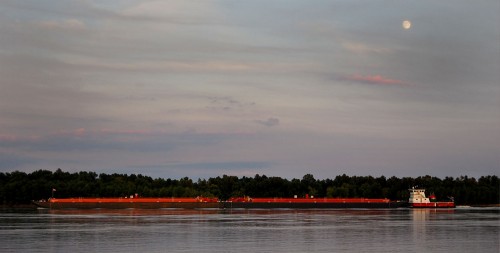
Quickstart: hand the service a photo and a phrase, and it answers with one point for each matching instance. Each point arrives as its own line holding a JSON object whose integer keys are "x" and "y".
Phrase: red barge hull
{"x": 196, "y": 203}
{"x": 123, "y": 203}
{"x": 308, "y": 203}
{"x": 433, "y": 205}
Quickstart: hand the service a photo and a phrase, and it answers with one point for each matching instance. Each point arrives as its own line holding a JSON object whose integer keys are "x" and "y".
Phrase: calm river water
{"x": 345, "y": 230}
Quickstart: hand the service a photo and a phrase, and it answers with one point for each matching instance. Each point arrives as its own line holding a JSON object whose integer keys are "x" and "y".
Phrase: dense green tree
{"x": 20, "y": 187}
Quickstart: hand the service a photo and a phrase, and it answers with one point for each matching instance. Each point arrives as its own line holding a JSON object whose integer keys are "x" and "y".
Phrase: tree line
{"x": 21, "y": 188}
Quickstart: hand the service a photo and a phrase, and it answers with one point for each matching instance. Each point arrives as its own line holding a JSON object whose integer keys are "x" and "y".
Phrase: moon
{"x": 406, "y": 24}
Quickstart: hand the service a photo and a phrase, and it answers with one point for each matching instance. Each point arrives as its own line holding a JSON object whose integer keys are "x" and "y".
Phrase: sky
{"x": 203, "y": 88}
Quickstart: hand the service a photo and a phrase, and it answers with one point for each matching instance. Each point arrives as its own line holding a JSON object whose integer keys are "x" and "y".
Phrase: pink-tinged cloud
{"x": 8, "y": 138}
{"x": 374, "y": 79}
{"x": 83, "y": 134}
{"x": 80, "y": 132}
{"x": 126, "y": 132}
{"x": 17, "y": 138}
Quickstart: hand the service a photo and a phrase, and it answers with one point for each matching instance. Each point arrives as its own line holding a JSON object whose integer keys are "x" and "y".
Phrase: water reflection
{"x": 130, "y": 212}
{"x": 211, "y": 211}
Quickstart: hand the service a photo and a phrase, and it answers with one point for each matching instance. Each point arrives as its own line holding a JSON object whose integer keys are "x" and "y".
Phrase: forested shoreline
{"x": 21, "y": 188}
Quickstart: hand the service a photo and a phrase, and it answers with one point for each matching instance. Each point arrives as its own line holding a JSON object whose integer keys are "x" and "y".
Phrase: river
{"x": 161, "y": 230}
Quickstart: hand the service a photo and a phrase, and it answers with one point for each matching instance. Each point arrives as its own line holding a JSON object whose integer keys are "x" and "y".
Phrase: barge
{"x": 123, "y": 203}
{"x": 199, "y": 203}
{"x": 307, "y": 203}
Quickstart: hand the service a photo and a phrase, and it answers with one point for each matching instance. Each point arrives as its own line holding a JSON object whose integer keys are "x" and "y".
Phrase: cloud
{"x": 237, "y": 168}
{"x": 270, "y": 122}
{"x": 82, "y": 139}
{"x": 67, "y": 24}
{"x": 360, "y": 48}
{"x": 80, "y": 132}
{"x": 11, "y": 161}
{"x": 199, "y": 169}
{"x": 227, "y": 103}
{"x": 12, "y": 138}
{"x": 373, "y": 79}
{"x": 188, "y": 66}
{"x": 178, "y": 12}
{"x": 223, "y": 165}
{"x": 116, "y": 83}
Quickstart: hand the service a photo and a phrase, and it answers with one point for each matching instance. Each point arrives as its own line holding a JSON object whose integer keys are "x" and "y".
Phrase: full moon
{"x": 406, "y": 24}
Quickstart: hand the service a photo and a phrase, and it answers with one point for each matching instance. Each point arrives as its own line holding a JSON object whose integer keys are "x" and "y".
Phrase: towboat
{"x": 419, "y": 200}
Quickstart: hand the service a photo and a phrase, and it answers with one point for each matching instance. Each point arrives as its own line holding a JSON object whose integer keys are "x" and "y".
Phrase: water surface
{"x": 161, "y": 230}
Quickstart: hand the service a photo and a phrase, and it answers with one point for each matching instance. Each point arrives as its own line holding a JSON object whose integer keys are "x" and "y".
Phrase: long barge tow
{"x": 417, "y": 200}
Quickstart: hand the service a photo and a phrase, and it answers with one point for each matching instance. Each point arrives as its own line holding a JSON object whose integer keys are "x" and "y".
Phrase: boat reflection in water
{"x": 428, "y": 221}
